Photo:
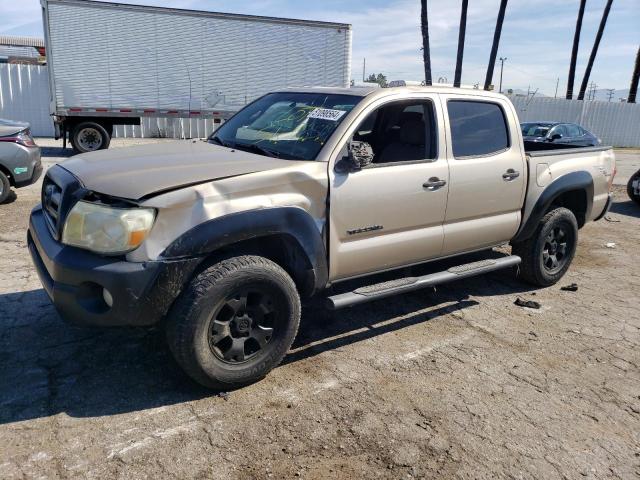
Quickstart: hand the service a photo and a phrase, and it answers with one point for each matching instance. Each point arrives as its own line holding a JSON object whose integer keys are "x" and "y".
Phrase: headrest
{"x": 413, "y": 133}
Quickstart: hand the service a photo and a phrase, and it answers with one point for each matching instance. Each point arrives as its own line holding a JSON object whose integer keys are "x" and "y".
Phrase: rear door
{"x": 486, "y": 173}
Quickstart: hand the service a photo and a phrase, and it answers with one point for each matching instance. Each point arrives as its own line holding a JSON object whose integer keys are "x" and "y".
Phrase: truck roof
{"x": 381, "y": 92}
{"x": 198, "y": 13}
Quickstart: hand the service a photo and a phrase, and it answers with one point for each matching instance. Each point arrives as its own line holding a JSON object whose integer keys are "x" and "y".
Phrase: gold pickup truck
{"x": 300, "y": 190}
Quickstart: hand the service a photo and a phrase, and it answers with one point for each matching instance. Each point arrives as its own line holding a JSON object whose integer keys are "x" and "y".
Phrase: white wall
{"x": 24, "y": 95}
{"x": 616, "y": 123}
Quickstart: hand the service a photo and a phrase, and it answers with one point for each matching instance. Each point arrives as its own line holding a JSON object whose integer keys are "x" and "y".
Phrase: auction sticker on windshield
{"x": 326, "y": 114}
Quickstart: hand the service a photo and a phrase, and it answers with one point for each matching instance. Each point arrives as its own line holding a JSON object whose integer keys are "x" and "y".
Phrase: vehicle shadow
{"x": 628, "y": 208}
{"x": 56, "y": 152}
{"x": 12, "y": 197}
{"x": 48, "y": 367}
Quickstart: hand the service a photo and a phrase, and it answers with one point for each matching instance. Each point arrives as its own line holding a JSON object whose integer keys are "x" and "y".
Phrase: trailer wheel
{"x": 89, "y": 137}
{"x": 633, "y": 187}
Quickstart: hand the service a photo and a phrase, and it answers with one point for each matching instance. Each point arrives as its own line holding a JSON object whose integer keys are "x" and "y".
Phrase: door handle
{"x": 510, "y": 175}
{"x": 434, "y": 183}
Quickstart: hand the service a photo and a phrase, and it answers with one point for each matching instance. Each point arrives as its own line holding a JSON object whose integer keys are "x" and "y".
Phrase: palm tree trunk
{"x": 494, "y": 46}
{"x": 633, "y": 90}
{"x": 461, "y": 33}
{"x": 594, "y": 50}
{"x": 426, "y": 51}
{"x": 574, "y": 50}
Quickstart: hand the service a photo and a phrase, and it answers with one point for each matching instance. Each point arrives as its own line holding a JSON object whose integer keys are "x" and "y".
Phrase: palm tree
{"x": 426, "y": 51}
{"x": 574, "y": 51}
{"x": 633, "y": 90}
{"x": 463, "y": 28}
{"x": 594, "y": 50}
{"x": 494, "y": 46}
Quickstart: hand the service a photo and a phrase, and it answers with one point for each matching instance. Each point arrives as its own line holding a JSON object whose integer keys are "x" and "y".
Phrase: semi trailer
{"x": 113, "y": 64}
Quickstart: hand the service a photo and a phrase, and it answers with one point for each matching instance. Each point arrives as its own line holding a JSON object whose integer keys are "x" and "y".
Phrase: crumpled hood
{"x": 143, "y": 170}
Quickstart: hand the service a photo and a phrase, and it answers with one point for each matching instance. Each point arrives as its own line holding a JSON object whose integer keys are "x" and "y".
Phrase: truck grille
{"x": 51, "y": 202}
{"x": 60, "y": 191}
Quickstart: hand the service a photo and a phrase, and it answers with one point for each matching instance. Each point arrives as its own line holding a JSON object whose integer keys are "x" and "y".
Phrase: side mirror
{"x": 359, "y": 155}
{"x": 555, "y": 136}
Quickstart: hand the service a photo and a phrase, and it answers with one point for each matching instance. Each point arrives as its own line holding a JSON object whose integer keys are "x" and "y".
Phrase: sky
{"x": 536, "y": 37}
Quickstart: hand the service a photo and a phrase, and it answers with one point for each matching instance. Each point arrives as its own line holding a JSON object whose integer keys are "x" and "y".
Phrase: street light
{"x": 502, "y": 60}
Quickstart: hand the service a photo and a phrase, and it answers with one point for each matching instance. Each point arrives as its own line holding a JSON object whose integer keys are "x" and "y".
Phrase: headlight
{"x": 105, "y": 229}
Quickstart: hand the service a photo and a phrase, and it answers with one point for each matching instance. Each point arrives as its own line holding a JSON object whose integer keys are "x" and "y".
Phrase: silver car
{"x": 20, "y": 163}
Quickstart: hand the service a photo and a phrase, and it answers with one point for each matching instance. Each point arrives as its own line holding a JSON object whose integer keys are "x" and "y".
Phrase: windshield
{"x": 286, "y": 125}
{"x": 535, "y": 129}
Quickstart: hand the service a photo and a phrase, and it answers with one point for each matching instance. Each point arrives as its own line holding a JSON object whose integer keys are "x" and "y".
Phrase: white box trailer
{"x": 113, "y": 64}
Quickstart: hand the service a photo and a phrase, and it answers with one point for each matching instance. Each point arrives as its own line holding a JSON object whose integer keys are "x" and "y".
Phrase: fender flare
{"x": 223, "y": 231}
{"x": 580, "y": 180}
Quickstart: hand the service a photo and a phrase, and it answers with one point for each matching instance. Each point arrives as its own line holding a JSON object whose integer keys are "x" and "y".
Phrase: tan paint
{"x": 476, "y": 209}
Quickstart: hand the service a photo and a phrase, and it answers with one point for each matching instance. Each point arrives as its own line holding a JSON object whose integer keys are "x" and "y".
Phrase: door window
{"x": 477, "y": 128}
{"x": 400, "y": 132}
{"x": 573, "y": 130}
{"x": 558, "y": 130}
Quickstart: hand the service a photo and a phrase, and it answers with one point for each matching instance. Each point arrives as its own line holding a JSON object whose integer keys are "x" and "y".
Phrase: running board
{"x": 408, "y": 284}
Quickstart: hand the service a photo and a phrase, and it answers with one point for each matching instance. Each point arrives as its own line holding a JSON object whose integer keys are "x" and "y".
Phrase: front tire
{"x": 5, "y": 187}
{"x": 234, "y": 322}
{"x": 547, "y": 255}
{"x": 633, "y": 187}
{"x": 89, "y": 137}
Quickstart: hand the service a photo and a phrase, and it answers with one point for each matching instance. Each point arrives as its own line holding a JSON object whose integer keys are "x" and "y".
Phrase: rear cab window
{"x": 478, "y": 128}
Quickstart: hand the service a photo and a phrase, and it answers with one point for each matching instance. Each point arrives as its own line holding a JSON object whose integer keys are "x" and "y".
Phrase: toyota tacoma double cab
{"x": 219, "y": 240}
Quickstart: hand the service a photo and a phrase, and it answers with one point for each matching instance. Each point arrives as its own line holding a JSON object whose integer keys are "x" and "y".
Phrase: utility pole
{"x": 594, "y": 50}
{"x": 557, "y": 83}
{"x": 610, "y": 93}
{"x": 574, "y": 50}
{"x": 364, "y": 67}
{"x": 426, "y": 50}
{"x": 494, "y": 45}
{"x": 463, "y": 27}
{"x": 635, "y": 77}
{"x": 502, "y": 60}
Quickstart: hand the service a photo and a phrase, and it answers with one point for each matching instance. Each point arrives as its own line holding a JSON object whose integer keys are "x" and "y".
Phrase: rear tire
{"x": 234, "y": 322}
{"x": 634, "y": 193}
{"x": 547, "y": 255}
{"x": 5, "y": 187}
{"x": 89, "y": 137}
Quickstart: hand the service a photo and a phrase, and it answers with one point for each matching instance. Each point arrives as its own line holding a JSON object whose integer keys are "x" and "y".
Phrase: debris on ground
{"x": 609, "y": 219}
{"x": 570, "y": 288}
{"x": 610, "y": 245}
{"x": 527, "y": 303}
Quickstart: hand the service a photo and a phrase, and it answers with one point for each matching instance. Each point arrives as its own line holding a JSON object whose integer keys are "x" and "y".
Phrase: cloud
{"x": 536, "y": 37}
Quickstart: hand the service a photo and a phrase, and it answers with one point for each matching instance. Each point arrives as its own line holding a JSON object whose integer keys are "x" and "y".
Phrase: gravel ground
{"x": 454, "y": 383}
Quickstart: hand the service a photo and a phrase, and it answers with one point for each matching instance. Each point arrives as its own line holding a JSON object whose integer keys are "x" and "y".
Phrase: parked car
{"x": 222, "y": 239}
{"x": 20, "y": 163}
{"x": 633, "y": 187}
{"x": 558, "y": 133}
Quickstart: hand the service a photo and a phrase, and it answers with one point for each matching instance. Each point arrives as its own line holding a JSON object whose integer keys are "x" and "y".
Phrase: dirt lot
{"x": 456, "y": 383}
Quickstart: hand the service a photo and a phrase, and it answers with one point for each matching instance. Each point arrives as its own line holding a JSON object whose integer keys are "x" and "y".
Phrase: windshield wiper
{"x": 219, "y": 141}
{"x": 257, "y": 148}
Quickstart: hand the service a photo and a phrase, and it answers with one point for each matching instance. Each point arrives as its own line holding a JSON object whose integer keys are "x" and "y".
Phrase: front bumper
{"x": 75, "y": 280}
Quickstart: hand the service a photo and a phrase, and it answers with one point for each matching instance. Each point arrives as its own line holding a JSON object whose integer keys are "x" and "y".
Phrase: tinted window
{"x": 558, "y": 130}
{"x": 573, "y": 130}
{"x": 477, "y": 128}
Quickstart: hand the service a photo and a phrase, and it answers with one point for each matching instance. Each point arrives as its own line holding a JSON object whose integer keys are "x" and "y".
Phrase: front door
{"x": 390, "y": 213}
